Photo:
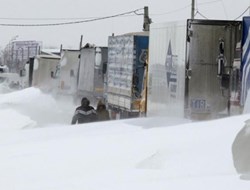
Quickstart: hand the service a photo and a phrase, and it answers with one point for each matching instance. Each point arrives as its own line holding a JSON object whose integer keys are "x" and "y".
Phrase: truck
{"x": 245, "y": 61}
{"x": 44, "y": 72}
{"x": 69, "y": 65}
{"x": 190, "y": 72}
{"x": 14, "y": 81}
{"x": 91, "y": 73}
{"x": 127, "y": 56}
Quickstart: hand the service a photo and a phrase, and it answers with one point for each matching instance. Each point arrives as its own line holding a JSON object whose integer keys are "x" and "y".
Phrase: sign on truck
{"x": 127, "y": 56}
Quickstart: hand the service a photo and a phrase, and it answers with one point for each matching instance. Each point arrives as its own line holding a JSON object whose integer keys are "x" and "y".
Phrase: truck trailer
{"x": 191, "y": 68}
{"x": 69, "y": 64}
{"x": 127, "y": 56}
{"x": 91, "y": 74}
{"x": 44, "y": 72}
{"x": 245, "y": 61}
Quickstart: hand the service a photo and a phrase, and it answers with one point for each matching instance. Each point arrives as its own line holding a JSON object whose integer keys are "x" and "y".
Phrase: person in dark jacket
{"x": 102, "y": 112}
{"x": 84, "y": 113}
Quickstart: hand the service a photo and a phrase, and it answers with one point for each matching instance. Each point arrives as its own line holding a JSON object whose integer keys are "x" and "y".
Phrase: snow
{"x": 41, "y": 150}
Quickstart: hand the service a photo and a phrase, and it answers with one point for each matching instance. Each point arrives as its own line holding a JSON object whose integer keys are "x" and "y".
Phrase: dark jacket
{"x": 84, "y": 113}
{"x": 102, "y": 113}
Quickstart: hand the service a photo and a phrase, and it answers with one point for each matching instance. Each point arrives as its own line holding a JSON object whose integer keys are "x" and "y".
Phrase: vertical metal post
{"x": 80, "y": 46}
{"x": 61, "y": 49}
{"x": 146, "y": 20}
{"x": 192, "y": 9}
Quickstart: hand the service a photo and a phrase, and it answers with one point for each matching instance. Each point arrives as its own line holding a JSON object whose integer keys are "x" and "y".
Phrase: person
{"x": 102, "y": 112}
{"x": 84, "y": 113}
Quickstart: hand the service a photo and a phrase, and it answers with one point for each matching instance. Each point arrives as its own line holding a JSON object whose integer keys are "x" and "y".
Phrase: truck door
{"x": 209, "y": 58}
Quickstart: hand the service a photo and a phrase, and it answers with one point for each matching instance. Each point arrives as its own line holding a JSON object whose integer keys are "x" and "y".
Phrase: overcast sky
{"x": 97, "y": 32}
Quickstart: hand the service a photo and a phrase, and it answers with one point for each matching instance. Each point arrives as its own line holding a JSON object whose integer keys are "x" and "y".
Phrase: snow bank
{"x": 241, "y": 145}
{"x": 10, "y": 119}
{"x": 142, "y": 153}
{"x": 40, "y": 108}
{"x": 123, "y": 154}
{"x": 241, "y": 150}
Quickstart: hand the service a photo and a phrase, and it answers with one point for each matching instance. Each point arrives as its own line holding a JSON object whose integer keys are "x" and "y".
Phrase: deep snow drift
{"x": 32, "y": 108}
{"x": 40, "y": 150}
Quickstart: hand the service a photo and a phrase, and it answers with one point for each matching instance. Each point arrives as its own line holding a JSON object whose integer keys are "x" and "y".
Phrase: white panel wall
{"x": 166, "y": 79}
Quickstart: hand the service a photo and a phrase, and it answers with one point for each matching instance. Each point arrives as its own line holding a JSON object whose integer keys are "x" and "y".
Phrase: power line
{"x": 69, "y": 18}
{"x": 73, "y": 22}
{"x": 197, "y": 12}
{"x": 205, "y": 3}
{"x": 224, "y": 8}
{"x": 197, "y": 8}
{"x": 80, "y": 18}
{"x": 209, "y": 2}
{"x": 173, "y": 11}
{"x": 242, "y": 14}
{"x": 187, "y": 6}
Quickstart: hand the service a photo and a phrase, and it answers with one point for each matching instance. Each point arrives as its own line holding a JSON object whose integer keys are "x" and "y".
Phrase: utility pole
{"x": 146, "y": 20}
{"x": 192, "y": 9}
{"x": 61, "y": 49}
{"x": 80, "y": 45}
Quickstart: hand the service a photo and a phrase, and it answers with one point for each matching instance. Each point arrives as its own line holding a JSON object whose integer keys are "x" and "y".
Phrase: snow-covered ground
{"x": 40, "y": 150}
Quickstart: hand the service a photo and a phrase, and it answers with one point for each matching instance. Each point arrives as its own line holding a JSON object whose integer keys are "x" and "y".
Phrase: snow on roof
{"x": 50, "y": 51}
{"x": 135, "y": 34}
{"x": 51, "y": 56}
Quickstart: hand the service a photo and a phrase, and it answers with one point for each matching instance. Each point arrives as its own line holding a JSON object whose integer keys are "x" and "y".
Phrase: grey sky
{"x": 97, "y": 32}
